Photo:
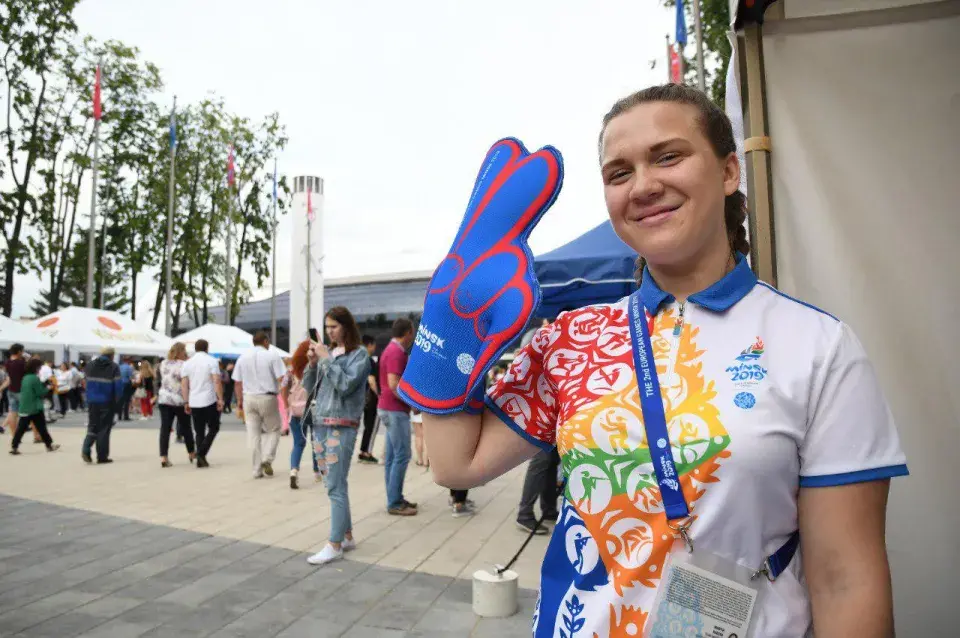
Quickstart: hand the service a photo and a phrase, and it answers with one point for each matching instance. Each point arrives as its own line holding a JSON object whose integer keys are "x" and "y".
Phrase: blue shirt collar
{"x": 722, "y": 295}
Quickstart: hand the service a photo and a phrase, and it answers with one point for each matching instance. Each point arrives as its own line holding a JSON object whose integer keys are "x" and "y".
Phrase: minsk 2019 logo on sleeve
{"x": 747, "y": 373}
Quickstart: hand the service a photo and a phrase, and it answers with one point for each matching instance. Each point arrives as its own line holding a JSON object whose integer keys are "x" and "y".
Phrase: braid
{"x": 734, "y": 216}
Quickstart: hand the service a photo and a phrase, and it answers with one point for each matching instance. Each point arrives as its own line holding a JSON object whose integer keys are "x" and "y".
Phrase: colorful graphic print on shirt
{"x": 604, "y": 560}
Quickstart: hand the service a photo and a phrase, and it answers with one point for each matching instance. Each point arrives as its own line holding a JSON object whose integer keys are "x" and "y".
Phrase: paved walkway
{"x": 130, "y": 549}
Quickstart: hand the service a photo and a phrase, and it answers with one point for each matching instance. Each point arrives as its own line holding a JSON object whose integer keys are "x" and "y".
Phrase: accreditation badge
{"x": 702, "y": 595}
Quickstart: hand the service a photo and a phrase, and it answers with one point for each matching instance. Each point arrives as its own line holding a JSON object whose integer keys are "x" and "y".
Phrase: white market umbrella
{"x": 89, "y": 329}
{"x": 12, "y": 332}
{"x": 229, "y": 341}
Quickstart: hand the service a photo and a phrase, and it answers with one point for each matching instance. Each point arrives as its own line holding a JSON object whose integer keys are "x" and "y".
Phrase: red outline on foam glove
{"x": 492, "y": 343}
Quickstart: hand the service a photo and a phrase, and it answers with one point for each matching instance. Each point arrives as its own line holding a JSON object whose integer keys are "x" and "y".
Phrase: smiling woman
{"x": 669, "y": 166}
{"x": 708, "y": 424}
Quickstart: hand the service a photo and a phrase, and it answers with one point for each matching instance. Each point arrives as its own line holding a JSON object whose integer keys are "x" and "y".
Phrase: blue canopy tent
{"x": 596, "y": 267}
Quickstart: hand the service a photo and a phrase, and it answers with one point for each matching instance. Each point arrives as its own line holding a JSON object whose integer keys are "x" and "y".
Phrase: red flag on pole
{"x": 676, "y": 70}
{"x": 310, "y": 214}
{"x": 96, "y": 96}
{"x": 230, "y": 169}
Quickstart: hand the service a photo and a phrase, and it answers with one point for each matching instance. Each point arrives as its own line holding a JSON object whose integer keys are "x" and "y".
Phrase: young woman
{"x": 772, "y": 418}
{"x": 294, "y": 395}
{"x": 31, "y": 410}
{"x": 146, "y": 384}
{"x": 170, "y": 399}
{"x": 342, "y": 377}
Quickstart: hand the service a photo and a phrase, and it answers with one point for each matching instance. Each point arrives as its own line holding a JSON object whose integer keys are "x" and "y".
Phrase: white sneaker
{"x": 348, "y": 545}
{"x": 326, "y": 555}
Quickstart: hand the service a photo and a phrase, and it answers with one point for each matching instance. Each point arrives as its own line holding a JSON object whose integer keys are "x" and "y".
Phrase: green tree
{"x": 252, "y": 209}
{"x": 715, "y": 24}
{"x": 33, "y": 36}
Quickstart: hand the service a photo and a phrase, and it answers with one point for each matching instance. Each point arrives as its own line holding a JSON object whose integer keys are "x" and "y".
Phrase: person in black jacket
{"x": 104, "y": 394}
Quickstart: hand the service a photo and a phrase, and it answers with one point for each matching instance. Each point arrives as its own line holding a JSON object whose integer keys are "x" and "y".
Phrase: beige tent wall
{"x": 865, "y": 128}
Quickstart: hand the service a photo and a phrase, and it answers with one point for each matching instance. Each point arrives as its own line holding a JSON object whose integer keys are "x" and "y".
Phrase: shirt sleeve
{"x": 392, "y": 363}
{"x": 525, "y": 398}
{"x": 237, "y": 374}
{"x": 279, "y": 369}
{"x": 851, "y": 436}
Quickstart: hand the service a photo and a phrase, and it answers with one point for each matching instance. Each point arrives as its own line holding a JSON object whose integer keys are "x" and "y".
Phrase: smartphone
{"x": 314, "y": 335}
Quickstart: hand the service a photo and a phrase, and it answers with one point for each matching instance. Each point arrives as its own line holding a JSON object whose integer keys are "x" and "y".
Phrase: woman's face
{"x": 663, "y": 184}
{"x": 334, "y": 330}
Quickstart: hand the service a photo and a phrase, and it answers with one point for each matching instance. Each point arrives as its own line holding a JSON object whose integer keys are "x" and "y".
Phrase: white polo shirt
{"x": 259, "y": 371}
{"x": 763, "y": 394}
{"x": 200, "y": 369}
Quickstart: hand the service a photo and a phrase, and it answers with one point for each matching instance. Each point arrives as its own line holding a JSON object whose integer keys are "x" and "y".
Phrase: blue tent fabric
{"x": 596, "y": 267}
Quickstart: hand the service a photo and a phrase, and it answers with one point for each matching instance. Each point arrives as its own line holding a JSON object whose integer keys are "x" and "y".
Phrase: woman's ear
{"x": 731, "y": 174}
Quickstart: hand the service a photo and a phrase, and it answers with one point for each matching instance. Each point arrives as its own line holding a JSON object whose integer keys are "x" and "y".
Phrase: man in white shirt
{"x": 202, "y": 397}
{"x": 256, "y": 377}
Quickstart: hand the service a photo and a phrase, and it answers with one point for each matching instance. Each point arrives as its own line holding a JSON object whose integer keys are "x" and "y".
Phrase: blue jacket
{"x": 104, "y": 385}
{"x": 343, "y": 386}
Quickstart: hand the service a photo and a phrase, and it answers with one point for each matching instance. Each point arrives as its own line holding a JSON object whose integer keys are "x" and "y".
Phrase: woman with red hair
{"x": 295, "y": 397}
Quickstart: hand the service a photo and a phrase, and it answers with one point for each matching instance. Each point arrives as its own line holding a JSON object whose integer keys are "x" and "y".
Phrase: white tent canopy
{"x": 228, "y": 341}
{"x": 12, "y": 332}
{"x": 86, "y": 330}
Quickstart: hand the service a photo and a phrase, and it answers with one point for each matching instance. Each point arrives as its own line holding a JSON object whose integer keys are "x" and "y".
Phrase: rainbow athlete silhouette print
{"x": 485, "y": 291}
{"x": 603, "y": 563}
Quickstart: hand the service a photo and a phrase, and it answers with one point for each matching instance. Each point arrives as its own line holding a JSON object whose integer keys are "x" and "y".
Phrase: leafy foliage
{"x": 47, "y": 75}
{"x": 715, "y": 24}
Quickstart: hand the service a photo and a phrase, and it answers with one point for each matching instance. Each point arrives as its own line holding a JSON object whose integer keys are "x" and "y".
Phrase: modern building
{"x": 376, "y": 301}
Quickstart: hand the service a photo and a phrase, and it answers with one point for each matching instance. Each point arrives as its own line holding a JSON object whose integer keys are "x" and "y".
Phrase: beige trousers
{"x": 261, "y": 414}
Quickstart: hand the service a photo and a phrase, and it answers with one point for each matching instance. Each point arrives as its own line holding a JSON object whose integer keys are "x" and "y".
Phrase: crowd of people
{"x": 330, "y": 399}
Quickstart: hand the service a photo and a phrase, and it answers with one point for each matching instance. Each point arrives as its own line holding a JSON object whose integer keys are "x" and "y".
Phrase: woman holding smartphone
{"x": 338, "y": 379}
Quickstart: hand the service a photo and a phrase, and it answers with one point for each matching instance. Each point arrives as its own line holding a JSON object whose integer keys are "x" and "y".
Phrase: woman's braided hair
{"x": 717, "y": 129}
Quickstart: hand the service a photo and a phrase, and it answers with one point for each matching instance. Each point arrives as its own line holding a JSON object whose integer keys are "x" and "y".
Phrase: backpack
{"x": 297, "y": 399}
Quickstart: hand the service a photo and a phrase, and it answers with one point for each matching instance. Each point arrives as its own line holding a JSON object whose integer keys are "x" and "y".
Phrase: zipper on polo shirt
{"x": 675, "y": 341}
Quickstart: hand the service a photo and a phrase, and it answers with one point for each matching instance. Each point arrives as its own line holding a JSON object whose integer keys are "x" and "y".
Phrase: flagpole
{"x": 92, "y": 233}
{"x": 309, "y": 257}
{"x": 273, "y": 267}
{"x": 103, "y": 248}
{"x": 229, "y": 301}
{"x": 669, "y": 59}
{"x": 168, "y": 301}
{"x": 229, "y": 279}
{"x": 701, "y": 76}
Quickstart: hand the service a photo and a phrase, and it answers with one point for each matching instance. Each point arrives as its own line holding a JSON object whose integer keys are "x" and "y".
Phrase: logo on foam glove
{"x": 429, "y": 341}
{"x": 432, "y": 343}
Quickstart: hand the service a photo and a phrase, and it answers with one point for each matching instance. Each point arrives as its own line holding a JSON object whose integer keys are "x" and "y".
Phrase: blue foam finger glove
{"x": 484, "y": 292}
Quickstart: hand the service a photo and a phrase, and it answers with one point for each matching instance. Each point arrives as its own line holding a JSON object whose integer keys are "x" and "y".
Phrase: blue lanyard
{"x": 654, "y": 418}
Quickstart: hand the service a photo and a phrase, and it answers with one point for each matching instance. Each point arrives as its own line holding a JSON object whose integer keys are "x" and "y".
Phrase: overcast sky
{"x": 395, "y": 103}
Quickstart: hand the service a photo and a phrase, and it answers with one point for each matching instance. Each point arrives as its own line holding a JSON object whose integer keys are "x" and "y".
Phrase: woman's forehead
{"x": 647, "y": 125}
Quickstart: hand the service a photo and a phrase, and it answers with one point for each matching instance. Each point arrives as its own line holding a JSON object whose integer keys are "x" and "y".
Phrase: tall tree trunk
{"x": 161, "y": 290}
{"x": 58, "y": 283}
{"x": 175, "y": 321}
{"x": 13, "y": 241}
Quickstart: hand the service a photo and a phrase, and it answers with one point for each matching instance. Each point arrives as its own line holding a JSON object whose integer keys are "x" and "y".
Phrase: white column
{"x": 301, "y": 238}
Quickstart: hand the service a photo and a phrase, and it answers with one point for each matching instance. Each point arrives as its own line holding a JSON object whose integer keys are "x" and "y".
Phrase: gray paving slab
{"x": 86, "y": 575}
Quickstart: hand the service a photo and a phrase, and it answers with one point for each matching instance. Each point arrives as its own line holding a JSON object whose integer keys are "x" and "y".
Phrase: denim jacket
{"x": 343, "y": 386}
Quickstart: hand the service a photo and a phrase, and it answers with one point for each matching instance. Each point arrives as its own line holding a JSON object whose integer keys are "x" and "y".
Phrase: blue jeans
{"x": 396, "y": 455}
{"x": 299, "y": 444}
{"x": 333, "y": 447}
